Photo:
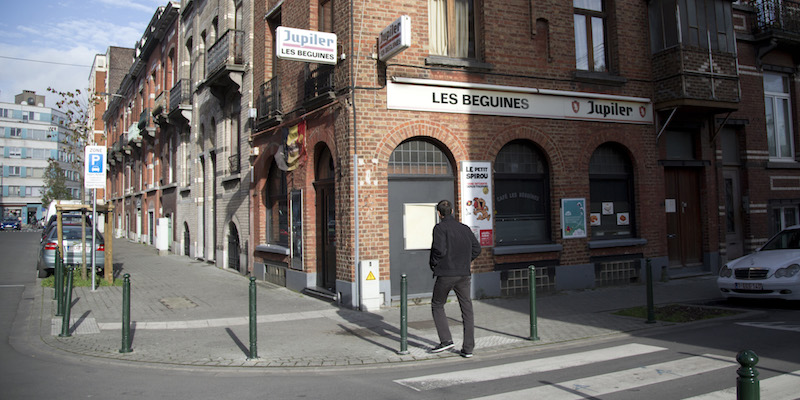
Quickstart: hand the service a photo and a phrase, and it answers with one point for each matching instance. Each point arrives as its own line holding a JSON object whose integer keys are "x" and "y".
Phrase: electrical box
{"x": 370, "y": 285}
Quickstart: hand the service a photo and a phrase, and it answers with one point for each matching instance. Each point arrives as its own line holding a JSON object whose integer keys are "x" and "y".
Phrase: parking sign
{"x": 94, "y": 176}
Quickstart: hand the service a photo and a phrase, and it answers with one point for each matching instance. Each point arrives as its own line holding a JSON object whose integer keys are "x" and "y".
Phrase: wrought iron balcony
{"x": 319, "y": 86}
{"x": 234, "y": 163}
{"x": 268, "y": 104}
{"x": 180, "y": 100}
{"x": 225, "y": 63}
{"x": 777, "y": 16}
{"x": 160, "y": 110}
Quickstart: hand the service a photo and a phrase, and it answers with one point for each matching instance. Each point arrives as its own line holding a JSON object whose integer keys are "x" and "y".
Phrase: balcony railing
{"x": 319, "y": 86}
{"x": 234, "y": 163}
{"x": 777, "y": 16}
{"x": 179, "y": 94}
{"x": 268, "y": 104}
{"x": 160, "y": 110}
{"x": 227, "y": 50}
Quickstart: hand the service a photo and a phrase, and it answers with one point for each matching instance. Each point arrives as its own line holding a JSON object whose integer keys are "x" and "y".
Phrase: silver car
{"x": 73, "y": 249}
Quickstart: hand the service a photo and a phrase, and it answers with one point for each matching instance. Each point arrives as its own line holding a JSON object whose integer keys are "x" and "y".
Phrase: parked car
{"x": 73, "y": 249}
{"x": 772, "y": 272}
{"x": 67, "y": 218}
{"x": 10, "y": 223}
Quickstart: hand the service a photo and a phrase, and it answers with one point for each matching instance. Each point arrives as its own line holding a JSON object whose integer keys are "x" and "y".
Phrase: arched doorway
{"x": 420, "y": 175}
{"x": 233, "y": 248}
{"x": 325, "y": 173}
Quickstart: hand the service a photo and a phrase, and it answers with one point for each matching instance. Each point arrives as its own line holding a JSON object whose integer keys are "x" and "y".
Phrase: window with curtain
{"x": 611, "y": 193}
{"x": 522, "y": 195}
{"x": 778, "y": 117}
{"x": 453, "y": 28}
{"x": 277, "y": 207}
{"x": 590, "y": 35}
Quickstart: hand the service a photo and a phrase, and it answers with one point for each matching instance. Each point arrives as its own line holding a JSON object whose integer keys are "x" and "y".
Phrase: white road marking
{"x": 781, "y": 387}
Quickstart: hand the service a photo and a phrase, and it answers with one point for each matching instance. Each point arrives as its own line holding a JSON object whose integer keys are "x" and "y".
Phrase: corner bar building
{"x": 540, "y": 120}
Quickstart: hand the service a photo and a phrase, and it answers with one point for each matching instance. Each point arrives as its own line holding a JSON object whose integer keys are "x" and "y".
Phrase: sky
{"x": 53, "y": 43}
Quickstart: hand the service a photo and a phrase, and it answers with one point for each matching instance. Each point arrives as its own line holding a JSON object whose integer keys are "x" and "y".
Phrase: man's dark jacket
{"x": 454, "y": 247}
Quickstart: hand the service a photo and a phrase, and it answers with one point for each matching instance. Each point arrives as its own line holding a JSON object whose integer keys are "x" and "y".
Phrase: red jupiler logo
{"x": 576, "y": 106}
{"x": 642, "y": 111}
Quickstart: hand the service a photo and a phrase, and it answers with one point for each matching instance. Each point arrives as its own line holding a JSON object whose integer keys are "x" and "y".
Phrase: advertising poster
{"x": 573, "y": 218}
{"x": 477, "y": 205}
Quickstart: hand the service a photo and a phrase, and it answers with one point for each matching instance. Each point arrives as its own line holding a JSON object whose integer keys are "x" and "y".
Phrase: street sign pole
{"x": 94, "y": 238}
{"x": 94, "y": 178}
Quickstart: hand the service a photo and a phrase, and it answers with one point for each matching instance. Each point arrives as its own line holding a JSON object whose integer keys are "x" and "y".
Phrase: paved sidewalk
{"x": 188, "y": 312}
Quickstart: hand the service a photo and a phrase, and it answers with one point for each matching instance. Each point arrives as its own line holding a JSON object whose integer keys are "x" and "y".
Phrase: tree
{"x": 55, "y": 183}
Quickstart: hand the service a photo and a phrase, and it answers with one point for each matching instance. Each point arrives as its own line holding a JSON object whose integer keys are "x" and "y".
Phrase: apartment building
{"x": 30, "y": 135}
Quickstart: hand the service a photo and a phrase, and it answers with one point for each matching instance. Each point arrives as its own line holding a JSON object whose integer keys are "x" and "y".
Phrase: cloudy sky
{"x": 53, "y": 43}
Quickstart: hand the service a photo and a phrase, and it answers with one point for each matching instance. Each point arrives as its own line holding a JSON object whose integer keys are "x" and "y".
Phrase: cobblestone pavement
{"x": 190, "y": 313}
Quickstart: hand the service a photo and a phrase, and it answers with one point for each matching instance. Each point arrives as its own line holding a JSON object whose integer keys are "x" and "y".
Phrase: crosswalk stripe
{"x": 781, "y": 387}
{"x": 621, "y": 380}
{"x": 446, "y": 379}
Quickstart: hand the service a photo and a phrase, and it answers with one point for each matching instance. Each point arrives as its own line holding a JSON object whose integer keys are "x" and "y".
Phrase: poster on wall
{"x": 573, "y": 218}
{"x": 297, "y": 230}
{"x": 477, "y": 205}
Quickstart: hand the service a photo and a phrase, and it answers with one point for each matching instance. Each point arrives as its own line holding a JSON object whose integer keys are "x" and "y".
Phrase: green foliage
{"x": 78, "y": 281}
{"x": 55, "y": 183}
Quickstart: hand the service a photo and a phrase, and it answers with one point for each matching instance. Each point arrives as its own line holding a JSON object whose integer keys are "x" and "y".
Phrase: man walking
{"x": 453, "y": 249}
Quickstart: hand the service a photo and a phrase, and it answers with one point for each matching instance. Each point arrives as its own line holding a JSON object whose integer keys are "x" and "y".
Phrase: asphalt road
{"x": 30, "y": 370}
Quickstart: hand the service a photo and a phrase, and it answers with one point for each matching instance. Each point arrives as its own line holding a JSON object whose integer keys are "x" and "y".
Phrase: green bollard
{"x": 126, "y": 314}
{"x": 67, "y": 306}
{"x": 253, "y": 321}
{"x": 532, "y": 293}
{"x": 651, "y": 310}
{"x": 747, "y": 386}
{"x": 403, "y": 315}
{"x": 59, "y": 284}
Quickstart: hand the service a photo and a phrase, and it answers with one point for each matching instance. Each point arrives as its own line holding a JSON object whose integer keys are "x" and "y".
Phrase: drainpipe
{"x": 357, "y": 278}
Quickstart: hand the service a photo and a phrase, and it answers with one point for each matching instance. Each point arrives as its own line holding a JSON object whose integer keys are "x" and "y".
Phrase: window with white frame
{"x": 784, "y": 217}
{"x": 453, "y": 28}
{"x": 14, "y": 170}
{"x": 4, "y": 112}
{"x": 15, "y": 132}
{"x": 15, "y": 152}
{"x": 778, "y": 117}
{"x": 39, "y": 154}
{"x": 13, "y": 190}
{"x": 590, "y": 35}
{"x": 33, "y": 191}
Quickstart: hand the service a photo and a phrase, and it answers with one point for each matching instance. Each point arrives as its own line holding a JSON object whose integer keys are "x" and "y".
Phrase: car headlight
{"x": 787, "y": 272}
{"x": 725, "y": 272}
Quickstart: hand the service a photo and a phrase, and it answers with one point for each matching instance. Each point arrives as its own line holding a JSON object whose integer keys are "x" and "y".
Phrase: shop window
{"x": 521, "y": 196}
{"x": 277, "y": 221}
{"x": 778, "y": 117}
{"x": 590, "y": 35}
{"x": 611, "y": 193}
{"x": 453, "y": 28}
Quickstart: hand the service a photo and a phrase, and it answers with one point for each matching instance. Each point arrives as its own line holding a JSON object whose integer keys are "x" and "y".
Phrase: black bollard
{"x": 651, "y": 310}
{"x": 126, "y": 314}
{"x": 747, "y": 386}
{"x": 403, "y": 315}
{"x": 532, "y": 294}
{"x": 67, "y": 306}
{"x": 253, "y": 321}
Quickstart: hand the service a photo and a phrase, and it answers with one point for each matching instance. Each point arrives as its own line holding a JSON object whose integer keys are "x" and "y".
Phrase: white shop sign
{"x": 394, "y": 38}
{"x": 307, "y": 46}
{"x": 467, "y": 98}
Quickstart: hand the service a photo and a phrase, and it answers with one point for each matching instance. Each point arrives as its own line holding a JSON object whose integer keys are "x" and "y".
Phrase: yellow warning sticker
{"x": 370, "y": 277}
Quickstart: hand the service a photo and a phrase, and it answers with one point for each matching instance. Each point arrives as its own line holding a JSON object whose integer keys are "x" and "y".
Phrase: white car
{"x": 772, "y": 272}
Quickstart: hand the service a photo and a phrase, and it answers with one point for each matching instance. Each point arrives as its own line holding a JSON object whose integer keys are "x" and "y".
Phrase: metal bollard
{"x": 126, "y": 314}
{"x": 253, "y": 321}
{"x": 403, "y": 315}
{"x": 532, "y": 293}
{"x": 747, "y": 386}
{"x": 67, "y": 306}
{"x": 651, "y": 310}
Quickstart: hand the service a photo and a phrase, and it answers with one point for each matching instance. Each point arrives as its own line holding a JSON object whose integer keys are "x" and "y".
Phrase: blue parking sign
{"x": 95, "y": 170}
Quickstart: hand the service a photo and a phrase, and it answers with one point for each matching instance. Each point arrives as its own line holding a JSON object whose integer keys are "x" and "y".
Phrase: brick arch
{"x": 535, "y": 135}
{"x": 408, "y": 130}
{"x": 610, "y": 135}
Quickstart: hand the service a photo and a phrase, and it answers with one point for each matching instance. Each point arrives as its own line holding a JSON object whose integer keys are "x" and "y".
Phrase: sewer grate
{"x": 177, "y": 303}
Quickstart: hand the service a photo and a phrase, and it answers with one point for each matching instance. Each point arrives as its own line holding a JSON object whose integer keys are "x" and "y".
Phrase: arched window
{"x": 611, "y": 193}
{"x": 276, "y": 197}
{"x": 522, "y": 195}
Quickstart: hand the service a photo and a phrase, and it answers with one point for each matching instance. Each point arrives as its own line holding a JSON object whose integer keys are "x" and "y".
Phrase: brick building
{"x": 562, "y": 134}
